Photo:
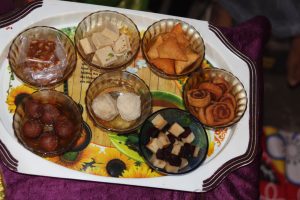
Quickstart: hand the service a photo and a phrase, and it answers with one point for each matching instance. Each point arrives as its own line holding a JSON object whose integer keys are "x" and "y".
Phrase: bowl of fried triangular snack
{"x": 173, "y": 48}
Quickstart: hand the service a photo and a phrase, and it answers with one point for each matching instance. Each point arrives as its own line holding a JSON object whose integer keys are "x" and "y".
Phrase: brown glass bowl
{"x": 47, "y": 77}
{"x": 67, "y": 108}
{"x": 236, "y": 88}
{"x": 165, "y": 26}
{"x": 117, "y": 83}
{"x": 93, "y": 22}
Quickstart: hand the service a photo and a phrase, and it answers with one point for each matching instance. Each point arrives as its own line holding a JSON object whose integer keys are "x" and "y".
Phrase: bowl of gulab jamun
{"x": 42, "y": 56}
{"x": 47, "y": 123}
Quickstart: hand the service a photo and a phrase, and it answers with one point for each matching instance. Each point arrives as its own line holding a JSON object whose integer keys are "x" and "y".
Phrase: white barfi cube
{"x": 110, "y": 31}
{"x": 122, "y": 44}
{"x": 159, "y": 122}
{"x": 189, "y": 139}
{"x": 86, "y": 46}
{"x": 100, "y": 41}
{"x": 157, "y": 162}
{"x": 154, "y": 144}
{"x": 176, "y": 129}
{"x": 106, "y": 56}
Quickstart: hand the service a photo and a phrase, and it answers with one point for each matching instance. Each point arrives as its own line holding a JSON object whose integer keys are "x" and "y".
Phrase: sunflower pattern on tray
{"x": 107, "y": 162}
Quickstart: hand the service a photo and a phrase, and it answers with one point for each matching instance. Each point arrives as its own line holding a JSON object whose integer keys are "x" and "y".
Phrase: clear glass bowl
{"x": 67, "y": 107}
{"x": 117, "y": 83}
{"x": 55, "y": 71}
{"x": 185, "y": 119}
{"x": 236, "y": 88}
{"x": 93, "y": 22}
{"x": 164, "y": 26}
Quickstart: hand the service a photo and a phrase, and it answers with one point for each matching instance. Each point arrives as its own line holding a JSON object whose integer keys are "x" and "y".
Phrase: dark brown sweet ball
{"x": 48, "y": 142}
{"x": 64, "y": 128}
{"x": 50, "y": 113}
{"x": 33, "y": 109}
{"x": 32, "y": 128}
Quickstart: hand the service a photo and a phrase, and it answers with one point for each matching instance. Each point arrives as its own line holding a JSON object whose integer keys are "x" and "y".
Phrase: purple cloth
{"x": 250, "y": 38}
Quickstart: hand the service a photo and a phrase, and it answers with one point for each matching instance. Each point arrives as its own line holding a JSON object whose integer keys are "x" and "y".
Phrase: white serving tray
{"x": 238, "y": 151}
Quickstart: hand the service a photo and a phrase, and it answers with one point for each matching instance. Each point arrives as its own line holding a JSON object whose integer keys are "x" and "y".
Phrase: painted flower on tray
{"x": 205, "y": 64}
{"x": 15, "y": 96}
{"x": 114, "y": 163}
{"x": 141, "y": 171}
{"x": 79, "y": 161}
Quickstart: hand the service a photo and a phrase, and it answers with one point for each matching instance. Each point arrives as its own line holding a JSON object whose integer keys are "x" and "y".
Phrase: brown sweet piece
{"x": 171, "y": 49}
{"x": 33, "y": 109}
{"x": 228, "y": 98}
{"x": 48, "y": 141}
{"x": 164, "y": 64}
{"x": 222, "y": 83}
{"x": 215, "y": 90}
{"x": 32, "y": 128}
{"x": 152, "y": 52}
{"x": 50, "y": 113}
{"x": 219, "y": 113}
{"x": 180, "y": 66}
{"x": 64, "y": 128}
{"x": 198, "y": 98}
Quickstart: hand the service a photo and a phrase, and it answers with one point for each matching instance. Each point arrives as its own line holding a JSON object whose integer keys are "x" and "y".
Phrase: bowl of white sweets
{"x": 118, "y": 101}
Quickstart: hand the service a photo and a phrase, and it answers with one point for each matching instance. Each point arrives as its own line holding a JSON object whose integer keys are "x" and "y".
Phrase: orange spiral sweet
{"x": 198, "y": 98}
{"x": 219, "y": 113}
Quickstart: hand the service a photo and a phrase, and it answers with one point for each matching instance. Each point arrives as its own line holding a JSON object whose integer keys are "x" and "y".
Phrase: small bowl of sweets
{"x": 118, "y": 101}
{"x": 216, "y": 97}
{"x": 173, "y": 48}
{"x": 47, "y": 123}
{"x": 42, "y": 56}
{"x": 173, "y": 141}
{"x": 107, "y": 40}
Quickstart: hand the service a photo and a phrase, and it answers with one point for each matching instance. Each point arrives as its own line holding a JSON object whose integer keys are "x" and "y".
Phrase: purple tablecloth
{"x": 250, "y": 38}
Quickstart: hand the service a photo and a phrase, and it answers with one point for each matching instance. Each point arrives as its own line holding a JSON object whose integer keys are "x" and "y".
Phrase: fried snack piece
{"x": 164, "y": 64}
{"x": 152, "y": 52}
{"x": 222, "y": 83}
{"x": 198, "y": 98}
{"x": 180, "y": 66}
{"x": 180, "y": 35}
{"x": 219, "y": 113}
{"x": 215, "y": 90}
{"x": 228, "y": 98}
{"x": 171, "y": 49}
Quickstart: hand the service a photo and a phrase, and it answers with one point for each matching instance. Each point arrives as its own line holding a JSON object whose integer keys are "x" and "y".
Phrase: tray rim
{"x": 227, "y": 167}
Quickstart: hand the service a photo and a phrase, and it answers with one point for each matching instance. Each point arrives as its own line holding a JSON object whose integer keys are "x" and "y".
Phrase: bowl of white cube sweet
{"x": 173, "y": 141}
{"x": 107, "y": 40}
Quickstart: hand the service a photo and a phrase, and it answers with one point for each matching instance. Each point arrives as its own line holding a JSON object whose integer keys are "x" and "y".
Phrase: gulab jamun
{"x": 50, "y": 113}
{"x": 48, "y": 141}
{"x": 64, "y": 128}
{"x": 32, "y": 128}
{"x": 33, "y": 109}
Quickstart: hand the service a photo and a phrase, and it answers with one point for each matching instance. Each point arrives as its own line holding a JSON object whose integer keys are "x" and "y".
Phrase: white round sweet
{"x": 104, "y": 106}
{"x": 129, "y": 106}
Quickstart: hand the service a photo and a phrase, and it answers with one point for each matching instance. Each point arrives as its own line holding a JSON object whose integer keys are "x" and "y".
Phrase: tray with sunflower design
{"x": 108, "y": 157}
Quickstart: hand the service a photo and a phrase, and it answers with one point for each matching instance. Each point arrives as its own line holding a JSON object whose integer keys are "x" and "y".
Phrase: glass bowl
{"x": 118, "y": 84}
{"x": 219, "y": 102}
{"x": 94, "y": 23}
{"x": 42, "y": 56}
{"x": 193, "y": 37}
{"x": 150, "y": 131}
{"x": 47, "y": 123}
